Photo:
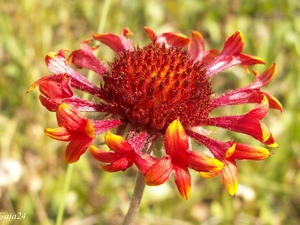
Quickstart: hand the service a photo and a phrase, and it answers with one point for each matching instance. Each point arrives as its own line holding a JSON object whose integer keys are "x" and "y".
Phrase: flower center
{"x": 154, "y": 85}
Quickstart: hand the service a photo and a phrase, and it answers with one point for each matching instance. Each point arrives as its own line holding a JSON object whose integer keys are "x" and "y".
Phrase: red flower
{"x": 161, "y": 89}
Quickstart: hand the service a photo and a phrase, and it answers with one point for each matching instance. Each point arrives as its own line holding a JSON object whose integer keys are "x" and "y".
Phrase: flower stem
{"x": 136, "y": 200}
{"x": 60, "y": 215}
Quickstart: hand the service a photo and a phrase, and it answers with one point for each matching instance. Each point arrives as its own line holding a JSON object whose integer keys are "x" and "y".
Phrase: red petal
{"x": 159, "y": 172}
{"x": 59, "y": 133}
{"x": 263, "y": 79}
{"x": 119, "y": 165}
{"x": 76, "y": 148}
{"x": 117, "y": 143}
{"x": 117, "y": 43}
{"x": 86, "y": 59}
{"x": 150, "y": 33}
{"x": 176, "y": 140}
{"x": 70, "y": 118}
{"x": 248, "y": 123}
{"x": 144, "y": 162}
{"x": 183, "y": 182}
{"x": 234, "y": 44}
{"x": 243, "y": 151}
{"x": 203, "y": 163}
{"x": 56, "y": 63}
{"x": 101, "y": 126}
{"x": 196, "y": 46}
{"x": 102, "y": 155}
{"x": 177, "y": 40}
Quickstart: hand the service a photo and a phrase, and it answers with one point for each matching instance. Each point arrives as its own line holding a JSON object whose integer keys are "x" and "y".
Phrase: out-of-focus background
{"x": 32, "y": 170}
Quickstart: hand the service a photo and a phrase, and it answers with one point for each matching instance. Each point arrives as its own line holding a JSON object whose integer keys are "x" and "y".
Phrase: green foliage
{"x": 31, "y": 29}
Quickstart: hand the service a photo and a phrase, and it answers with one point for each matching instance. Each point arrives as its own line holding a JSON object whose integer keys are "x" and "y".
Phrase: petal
{"x": 222, "y": 62}
{"x": 37, "y": 83}
{"x": 101, "y": 126}
{"x": 218, "y": 148}
{"x": 76, "y": 148}
{"x": 203, "y": 163}
{"x": 59, "y": 133}
{"x": 144, "y": 162}
{"x": 84, "y": 58}
{"x": 57, "y": 64}
{"x": 263, "y": 79}
{"x": 102, "y": 155}
{"x": 248, "y": 123}
{"x": 150, "y": 33}
{"x": 183, "y": 181}
{"x": 230, "y": 176}
{"x": 239, "y": 96}
{"x": 172, "y": 39}
{"x": 176, "y": 140}
{"x": 119, "y": 165}
{"x": 117, "y": 43}
{"x": 243, "y": 151}
{"x": 70, "y": 118}
{"x": 196, "y": 46}
{"x": 159, "y": 172}
{"x": 234, "y": 44}
{"x": 117, "y": 143}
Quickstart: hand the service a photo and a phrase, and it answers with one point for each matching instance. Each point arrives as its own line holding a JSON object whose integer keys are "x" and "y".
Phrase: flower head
{"x": 163, "y": 89}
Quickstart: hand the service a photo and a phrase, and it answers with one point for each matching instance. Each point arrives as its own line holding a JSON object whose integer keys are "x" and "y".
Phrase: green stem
{"x": 66, "y": 187}
{"x": 136, "y": 200}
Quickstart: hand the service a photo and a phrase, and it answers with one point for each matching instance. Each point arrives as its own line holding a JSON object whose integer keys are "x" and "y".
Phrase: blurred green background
{"x": 29, "y": 29}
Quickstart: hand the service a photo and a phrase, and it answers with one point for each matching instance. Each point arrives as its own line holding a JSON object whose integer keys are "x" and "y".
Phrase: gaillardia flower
{"x": 162, "y": 91}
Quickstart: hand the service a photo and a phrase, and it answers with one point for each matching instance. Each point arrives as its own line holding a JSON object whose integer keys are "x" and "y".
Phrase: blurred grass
{"x": 29, "y": 29}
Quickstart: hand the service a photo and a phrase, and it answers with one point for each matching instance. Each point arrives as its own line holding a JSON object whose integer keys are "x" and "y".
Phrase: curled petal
{"x": 57, "y": 64}
{"x": 196, "y": 46}
{"x": 234, "y": 44}
{"x": 70, "y": 118}
{"x": 150, "y": 33}
{"x": 76, "y": 148}
{"x": 177, "y": 40}
{"x": 84, "y": 58}
{"x": 101, "y": 155}
{"x": 183, "y": 181}
{"x": 117, "y": 43}
{"x": 263, "y": 79}
{"x": 117, "y": 143}
{"x": 119, "y": 165}
{"x": 59, "y": 133}
{"x": 230, "y": 176}
{"x": 159, "y": 172}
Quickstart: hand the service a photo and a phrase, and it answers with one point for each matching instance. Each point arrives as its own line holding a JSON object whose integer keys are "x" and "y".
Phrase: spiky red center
{"x": 154, "y": 85}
